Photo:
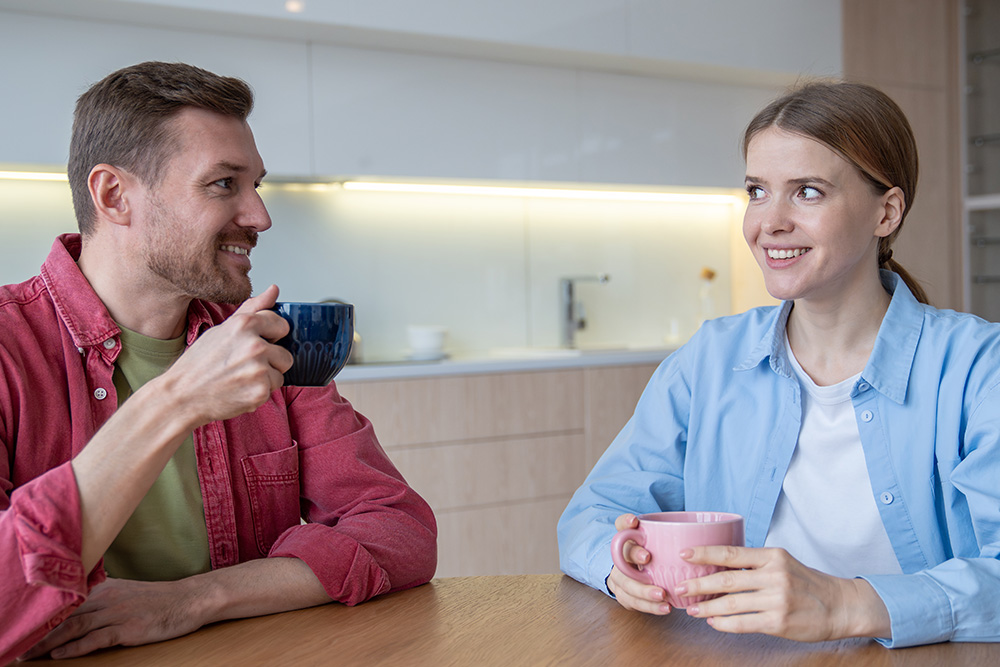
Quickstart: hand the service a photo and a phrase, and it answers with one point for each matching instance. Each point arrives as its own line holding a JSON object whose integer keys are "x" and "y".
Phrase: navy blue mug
{"x": 319, "y": 338}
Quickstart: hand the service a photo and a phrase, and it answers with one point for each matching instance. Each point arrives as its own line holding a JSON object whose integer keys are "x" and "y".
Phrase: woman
{"x": 855, "y": 428}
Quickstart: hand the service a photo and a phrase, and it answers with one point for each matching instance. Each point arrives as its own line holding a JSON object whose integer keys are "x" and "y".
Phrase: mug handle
{"x": 618, "y": 543}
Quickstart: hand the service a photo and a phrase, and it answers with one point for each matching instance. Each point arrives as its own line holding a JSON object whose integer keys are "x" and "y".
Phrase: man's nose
{"x": 254, "y": 214}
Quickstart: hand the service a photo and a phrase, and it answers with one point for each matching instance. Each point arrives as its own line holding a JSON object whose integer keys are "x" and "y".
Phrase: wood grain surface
{"x": 507, "y": 620}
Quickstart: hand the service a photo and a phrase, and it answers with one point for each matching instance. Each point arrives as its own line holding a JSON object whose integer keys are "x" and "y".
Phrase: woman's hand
{"x": 630, "y": 593}
{"x": 770, "y": 592}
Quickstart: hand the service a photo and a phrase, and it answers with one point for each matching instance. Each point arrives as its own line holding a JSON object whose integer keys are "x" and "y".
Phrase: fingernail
{"x": 686, "y": 553}
{"x": 665, "y": 608}
{"x": 693, "y": 611}
{"x": 681, "y": 589}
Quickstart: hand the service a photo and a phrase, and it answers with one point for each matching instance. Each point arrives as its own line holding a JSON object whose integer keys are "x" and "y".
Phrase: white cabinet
{"x": 639, "y": 129}
{"x": 51, "y": 61}
{"x": 326, "y": 110}
{"x": 398, "y": 114}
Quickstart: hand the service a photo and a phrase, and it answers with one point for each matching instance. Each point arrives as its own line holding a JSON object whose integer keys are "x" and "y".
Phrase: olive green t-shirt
{"x": 165, "y": 539}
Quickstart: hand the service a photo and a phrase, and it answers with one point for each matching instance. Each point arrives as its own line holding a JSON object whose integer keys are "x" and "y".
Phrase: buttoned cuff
{"x": 919, "y": 609}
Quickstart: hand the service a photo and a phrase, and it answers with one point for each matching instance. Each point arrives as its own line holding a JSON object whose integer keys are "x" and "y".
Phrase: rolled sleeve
{"x": 347, "y": 571}
{"x": 369, "y": 532}
{"x": 43, "y": 577}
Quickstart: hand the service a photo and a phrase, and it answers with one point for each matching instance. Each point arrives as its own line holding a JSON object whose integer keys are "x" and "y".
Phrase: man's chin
{"x": 230, "y": 293}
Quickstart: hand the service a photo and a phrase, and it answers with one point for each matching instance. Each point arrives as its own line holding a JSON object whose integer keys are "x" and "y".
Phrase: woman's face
{"x": 813, "y": 221}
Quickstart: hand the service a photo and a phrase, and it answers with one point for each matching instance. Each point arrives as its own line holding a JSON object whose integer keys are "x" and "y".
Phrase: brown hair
{"x": 866, "y": 128}
{"x": 122, "y": 120}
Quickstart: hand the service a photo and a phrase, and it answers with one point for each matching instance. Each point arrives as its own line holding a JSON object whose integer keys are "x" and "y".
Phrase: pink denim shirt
{"x": 304, "y": 453}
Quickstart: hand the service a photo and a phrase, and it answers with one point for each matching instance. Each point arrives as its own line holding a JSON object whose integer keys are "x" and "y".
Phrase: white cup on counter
{"x": 426, "y": 341}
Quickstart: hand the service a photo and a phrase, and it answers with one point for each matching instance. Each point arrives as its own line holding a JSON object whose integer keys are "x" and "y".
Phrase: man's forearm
{"x": 119, "y": 465}
{"x": 255, "y": 588}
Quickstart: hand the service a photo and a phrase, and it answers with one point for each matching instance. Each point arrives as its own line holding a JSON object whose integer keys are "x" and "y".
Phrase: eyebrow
{"x": 239, "y": 168}
{"x": 806, "y": 180}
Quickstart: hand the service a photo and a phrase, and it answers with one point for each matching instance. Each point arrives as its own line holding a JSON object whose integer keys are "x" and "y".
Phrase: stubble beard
{"x": 197, "y": 271}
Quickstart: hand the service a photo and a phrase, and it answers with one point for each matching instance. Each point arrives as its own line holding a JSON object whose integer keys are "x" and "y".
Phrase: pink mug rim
{"x": 664, "y": 517}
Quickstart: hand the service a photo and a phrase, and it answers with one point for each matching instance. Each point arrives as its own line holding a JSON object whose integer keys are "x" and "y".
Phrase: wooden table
{"x": 506, "y": 620}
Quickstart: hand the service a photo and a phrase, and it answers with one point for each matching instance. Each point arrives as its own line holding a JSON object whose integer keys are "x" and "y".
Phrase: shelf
{"x": 981, "y": 140}
{"x": 979, "y": 57}
{"x": 982, "y": 202}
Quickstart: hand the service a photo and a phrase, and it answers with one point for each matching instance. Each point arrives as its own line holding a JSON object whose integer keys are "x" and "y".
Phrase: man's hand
{"x": 770, "y": 592}
{"x": 129, "y": 613}
{"x": 120, "y": 612}
{"x": 233, "y": 367}
{"x": 630, "y": 593}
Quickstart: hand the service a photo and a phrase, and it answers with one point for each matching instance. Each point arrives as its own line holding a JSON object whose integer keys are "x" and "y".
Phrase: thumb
{"x": 262, "y": 301}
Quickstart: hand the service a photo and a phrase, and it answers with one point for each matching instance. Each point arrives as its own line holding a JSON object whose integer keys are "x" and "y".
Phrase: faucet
{"x": 571, "y": 311}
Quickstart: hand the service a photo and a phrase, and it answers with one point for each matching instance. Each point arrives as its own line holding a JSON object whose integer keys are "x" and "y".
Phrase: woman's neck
{"x": 833, "y": 341}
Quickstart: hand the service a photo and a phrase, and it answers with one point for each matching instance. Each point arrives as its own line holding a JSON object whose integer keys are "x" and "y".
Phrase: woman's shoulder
{"x": 957, "y": 325}
{"x": 750, "y": 324}
{"x": 732, "y": 339}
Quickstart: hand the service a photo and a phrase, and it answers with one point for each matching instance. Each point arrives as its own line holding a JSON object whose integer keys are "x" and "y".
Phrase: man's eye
{"x": 224, "y": 183}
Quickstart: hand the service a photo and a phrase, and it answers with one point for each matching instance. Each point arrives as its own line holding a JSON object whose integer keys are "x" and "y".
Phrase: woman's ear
{"x": 109, "y": 191}
{"x": 893, "y": 207}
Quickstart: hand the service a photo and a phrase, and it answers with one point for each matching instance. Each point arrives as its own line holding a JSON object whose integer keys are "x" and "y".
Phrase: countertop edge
{"x": 486, "y": 365}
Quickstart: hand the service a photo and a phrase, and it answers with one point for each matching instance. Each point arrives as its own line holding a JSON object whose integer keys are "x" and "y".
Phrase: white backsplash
{"x": 487, "y": 268}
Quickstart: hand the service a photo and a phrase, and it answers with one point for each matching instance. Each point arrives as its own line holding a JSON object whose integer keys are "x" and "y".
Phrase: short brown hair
{"x": 122, "y": 120}
{"x": 865, "y": 127}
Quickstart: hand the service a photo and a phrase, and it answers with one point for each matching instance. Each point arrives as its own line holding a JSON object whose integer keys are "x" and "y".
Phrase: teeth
{"x": 236, "y": 249}
{"x": 786, "y": 254}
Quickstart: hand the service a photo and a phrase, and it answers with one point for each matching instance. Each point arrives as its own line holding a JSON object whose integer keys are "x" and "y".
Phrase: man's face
{"x": 201, "y": 221}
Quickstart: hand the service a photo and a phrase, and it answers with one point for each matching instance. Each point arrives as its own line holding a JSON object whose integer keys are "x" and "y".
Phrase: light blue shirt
{"x": 716, "y": 427}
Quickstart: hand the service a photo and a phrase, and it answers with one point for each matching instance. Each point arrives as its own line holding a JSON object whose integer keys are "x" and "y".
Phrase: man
{"x": 132, "y": 521}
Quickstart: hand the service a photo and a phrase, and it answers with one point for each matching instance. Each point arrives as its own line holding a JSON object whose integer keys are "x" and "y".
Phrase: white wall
{"x": 487, "y": 268}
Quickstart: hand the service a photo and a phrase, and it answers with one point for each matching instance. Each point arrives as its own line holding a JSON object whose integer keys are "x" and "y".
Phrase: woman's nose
{"x": 777, "y": 217}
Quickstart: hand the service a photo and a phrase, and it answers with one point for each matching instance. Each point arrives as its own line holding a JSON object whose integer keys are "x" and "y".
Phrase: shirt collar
{"x": 81, "y": 309}
{"x": 888, "y": 367}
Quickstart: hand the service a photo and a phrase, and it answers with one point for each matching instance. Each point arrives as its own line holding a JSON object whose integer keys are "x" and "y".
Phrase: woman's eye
{"x": 754, "y": 191}
{"x": 808, "y": 192}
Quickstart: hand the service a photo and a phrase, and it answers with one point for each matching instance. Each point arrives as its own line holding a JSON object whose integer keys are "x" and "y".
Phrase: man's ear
{"x": 110, "y": 189}
{"x": 893, "y": 207}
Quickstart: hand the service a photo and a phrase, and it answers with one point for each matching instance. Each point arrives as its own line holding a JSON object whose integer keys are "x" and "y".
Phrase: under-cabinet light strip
{"x": 32, "y": 176}
{"x": 543, "y": 193}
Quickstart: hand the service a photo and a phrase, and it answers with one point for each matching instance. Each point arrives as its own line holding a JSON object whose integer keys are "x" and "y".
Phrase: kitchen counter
{"x": 504, "y": 361}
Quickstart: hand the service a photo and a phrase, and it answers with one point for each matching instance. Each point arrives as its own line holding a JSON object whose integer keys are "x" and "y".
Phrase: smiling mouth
{"x": 236, "y": 249}
{"x": 774, "y": 253}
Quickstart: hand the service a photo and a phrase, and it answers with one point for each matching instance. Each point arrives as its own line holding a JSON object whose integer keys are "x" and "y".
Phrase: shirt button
{"x": 80, "y": 350}
{"x": 863, "y": 386}
{"x": 886, "y": 498}
{"x": 109, "y": 343}
{"x": 100, "y": 393}
{"x": 866, "y": 416}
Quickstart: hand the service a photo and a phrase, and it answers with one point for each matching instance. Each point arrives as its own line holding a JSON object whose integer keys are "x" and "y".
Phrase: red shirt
{"x": 304, "y": 453}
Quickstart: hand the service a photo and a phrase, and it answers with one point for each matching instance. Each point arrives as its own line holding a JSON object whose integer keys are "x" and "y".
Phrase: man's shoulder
{"x": 15, "y": 297}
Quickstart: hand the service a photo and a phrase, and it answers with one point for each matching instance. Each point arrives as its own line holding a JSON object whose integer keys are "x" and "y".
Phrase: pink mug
{"x": 664, "y": 535}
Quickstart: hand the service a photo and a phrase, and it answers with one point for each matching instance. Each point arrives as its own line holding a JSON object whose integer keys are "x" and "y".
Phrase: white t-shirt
{"x": 826, "y": 516}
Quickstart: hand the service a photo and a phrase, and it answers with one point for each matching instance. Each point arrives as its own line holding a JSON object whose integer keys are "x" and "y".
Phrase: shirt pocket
{"x": 273, "y": 487}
